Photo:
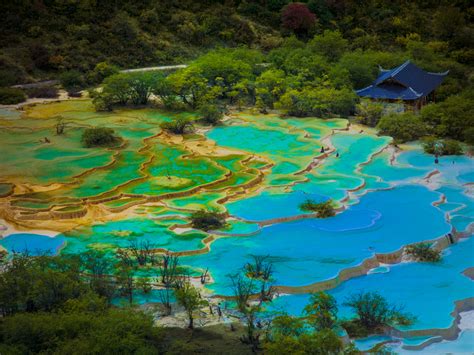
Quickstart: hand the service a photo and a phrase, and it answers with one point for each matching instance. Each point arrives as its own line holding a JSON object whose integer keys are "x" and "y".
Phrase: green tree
{"x": 124, "y": 277}
{"x": 402, "y": 127}
{"x": 451, "y": 118}
{"x": 72, "y": 80}
{"x": 330, "y": 44}
{"x": 164, "y": 90}
{"x": 11, "y": 96}
{"x": 190, "y": 85}
{"x": 190, "y": 299}
{"x": 211, "y": 114}
{"x": 361, "y": 66}
{"x": 318, "y": 343}
{"x": 43, "y": 283}
{"x": 321, "y": 311}
{"x": 177, "y": 126}
{"x": 101, "y": 71}
{"x": 269, "y": 87}
{"x": 369, "y": 113}
{"x": 243, "y": 289}
{"x": 98, "y": 268}
{"x": 83, "y": 326}
{"x": 287, "y": 326}
{"x": 141, "y": 86}
{"x": 317, "y": 101}
{"x": 373, "y": 311}
{"x": 261, "y": 271}
{"x": 324, "y": 209}
{"x": 169, "y": 273}
{"x": 224, "y": 67}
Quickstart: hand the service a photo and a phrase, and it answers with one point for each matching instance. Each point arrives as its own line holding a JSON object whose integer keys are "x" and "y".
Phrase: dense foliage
{"x": 424, "y": 252}
{"x": 318, "y": 343}
{"x": 432, "y": 145}
{"x": 324, "y": 209}
{"x": 62, "y": 305}
{"x": 313, "y": 334}
{"x": 402, "y": 127}
{"x": 100, "y": 137}
{"x": 177, "y": 126}
{"x": 190, "y": 299}
{"x": 369, "y": 113}
{"x": 306, "y": 59}
{"x": 321, "y": 311}
{"x": 211, "y": 114}
{"x": 452, "y": 118}
{"x": 48, "y": 37}
{"x": 207, "y": 220}
{"x": 126, "y": 88}
{"x": 82, "y": 326}
{"x": 55, "y": 36}
{"x": 297, "y": 17}
{"x": 10, "y": 96}
{"x": 372, "y": 313}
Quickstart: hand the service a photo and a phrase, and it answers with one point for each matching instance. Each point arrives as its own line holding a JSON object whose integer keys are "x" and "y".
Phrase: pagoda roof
{"x": 405, "y": 82}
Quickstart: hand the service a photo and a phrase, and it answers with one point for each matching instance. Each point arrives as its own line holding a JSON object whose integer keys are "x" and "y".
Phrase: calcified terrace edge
{"x": 343, "y": 275}
{"x": 25, "y": 217}
{"x": 249, "y": 188}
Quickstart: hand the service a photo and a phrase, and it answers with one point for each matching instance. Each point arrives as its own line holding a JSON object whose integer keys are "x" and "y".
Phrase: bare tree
{"x": 261, "y": 270}
{"x": 169, "y": 278}
{"x": 243, "y": 289}
{"x": 124, "y": 257}
{"x": 142, "y": 252}
{"x": 125, "y": 280}
{"x": 98, "y": 269}
{"x": 204, "y": 276}
{"x": 60, "y": 126}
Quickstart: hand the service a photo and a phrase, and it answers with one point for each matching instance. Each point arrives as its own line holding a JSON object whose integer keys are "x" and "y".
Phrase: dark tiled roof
{"x": 406, "y": 82}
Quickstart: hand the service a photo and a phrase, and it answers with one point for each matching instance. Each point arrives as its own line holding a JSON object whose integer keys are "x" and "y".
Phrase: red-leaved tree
{"x": 297, "y": 17}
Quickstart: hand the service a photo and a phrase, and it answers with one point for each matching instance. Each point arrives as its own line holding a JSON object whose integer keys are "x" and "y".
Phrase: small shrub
{"x": 355, "y": 329}
{"x": 74, "y": 93}
{"x": 469, "y": 135}
{"x": 452, "y": 147}
{"x": 207, "y": 220}
{"x": 43, "y": 92}
{"x": 324, "y": 209}
{"x": 373, "y": 313}
{"x": 72, "y": 80}
{"x": 424, "y": 252}
{"x": 100, "y": 137}
{"x": 11, "y": 96}
{"x": 211, "y": 114}
{"x": 101, "y": 71}
{"x": 431, "y": 145}
{"x": 178, "y": 126}
{"x": 101, "y": 101}
{"x": 369, "y": 113}
{"x": 321, "y": 311}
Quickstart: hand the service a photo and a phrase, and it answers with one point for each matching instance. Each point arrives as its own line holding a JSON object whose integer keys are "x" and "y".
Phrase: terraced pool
{"x": 257, "y": 169}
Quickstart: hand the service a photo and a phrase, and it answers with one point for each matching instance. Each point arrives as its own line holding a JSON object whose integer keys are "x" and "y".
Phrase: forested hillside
{"x": 42, "y": 38}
